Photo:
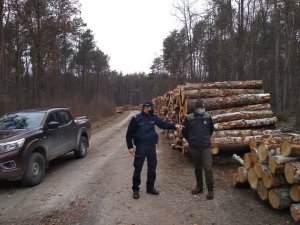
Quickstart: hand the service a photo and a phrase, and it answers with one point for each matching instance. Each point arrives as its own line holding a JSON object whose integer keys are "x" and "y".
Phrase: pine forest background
{"x": 48, "y": 55}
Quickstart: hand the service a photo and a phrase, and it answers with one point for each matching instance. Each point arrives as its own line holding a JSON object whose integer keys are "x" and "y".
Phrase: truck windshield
{"x": 21, "y": 120}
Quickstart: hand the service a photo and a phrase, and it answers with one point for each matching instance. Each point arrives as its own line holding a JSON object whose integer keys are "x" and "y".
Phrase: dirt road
{"x": 97, "y": 190}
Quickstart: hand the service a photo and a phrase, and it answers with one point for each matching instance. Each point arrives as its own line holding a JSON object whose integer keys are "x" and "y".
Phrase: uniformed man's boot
{"x": 210, "y": 194}
{"x": 197, "y": 190}
{"x": 152, "y": 191}
{"x": 136, "y": 195}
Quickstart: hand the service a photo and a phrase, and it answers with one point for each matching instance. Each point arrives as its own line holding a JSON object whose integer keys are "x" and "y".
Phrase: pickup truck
{"x": 29, "y": 139}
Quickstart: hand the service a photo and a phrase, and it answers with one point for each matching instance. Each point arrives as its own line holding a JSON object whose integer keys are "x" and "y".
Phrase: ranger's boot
{"x": 197, "y": 190}
{"x": 210, "y": 194}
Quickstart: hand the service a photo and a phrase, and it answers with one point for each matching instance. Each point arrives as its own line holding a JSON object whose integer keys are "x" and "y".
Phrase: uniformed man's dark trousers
{"x": 202, "y": 159}
{"x": 141, "y": 153}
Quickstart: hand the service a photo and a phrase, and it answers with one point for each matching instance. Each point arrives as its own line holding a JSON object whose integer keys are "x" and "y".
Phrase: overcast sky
{"x": 131, "y": 32}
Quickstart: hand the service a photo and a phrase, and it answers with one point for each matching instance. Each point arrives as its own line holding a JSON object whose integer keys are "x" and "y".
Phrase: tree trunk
{"x": 252, "y": 178}
{"x": 251, "y": 84}
{"x": 277, "y": 162}
{"x": 260, "y": 167}
{"x": 248, "y": 163}
{"x": 229, "y": 102}
{"x": 292, "y": 172}
{"x": 242, "y": 115}
{"x": 245, "y": 123}
{"x": 265, "y": 106}
{"x": 295, "y": 211}
{"x": 268, "y": 149}
{"x": 279, "y": 198}
{"x": 242, "y": 175}
{"x": 262, "y": 191}
{"x": 243, "y": 133}
{"x": 290, "y": 148}
{"x": 295, "y": 192}
{"x": 273, "y": 180}
{"x": 212, "y": 93}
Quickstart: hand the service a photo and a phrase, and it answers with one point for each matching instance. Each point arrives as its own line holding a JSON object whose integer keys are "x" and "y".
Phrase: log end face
{"x": 285, "y": 148}
{"x": 295, "y": 211}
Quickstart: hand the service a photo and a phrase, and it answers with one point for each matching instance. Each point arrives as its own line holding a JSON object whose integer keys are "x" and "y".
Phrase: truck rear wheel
{"x": 35, "y": 170}
{"x": 81, "y": 151}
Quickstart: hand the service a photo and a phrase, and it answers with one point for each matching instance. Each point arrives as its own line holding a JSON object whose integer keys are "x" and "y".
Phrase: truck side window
{"x": 64, "y": 117}
{"x": 51, "y": 118}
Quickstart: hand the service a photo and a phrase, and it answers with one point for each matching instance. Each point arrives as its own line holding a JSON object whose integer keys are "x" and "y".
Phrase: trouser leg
{"x": 152, "y": 163}
{"x": 196, "y": 158}
{"x": 207, "y": 167}
{"x": 138, "y": 166}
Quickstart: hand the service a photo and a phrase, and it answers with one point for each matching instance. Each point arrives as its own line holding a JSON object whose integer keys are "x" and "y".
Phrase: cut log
{"x": 266, "y": 150}
{"x": 265, "y": 106}
{"x": 262, "y": 191}
{"x": 273, "y": 180}
{"x": 228, "y": 102}
{"x": 290, "y": 148}
{"x": 295, "y": 192}
{"x": 212, "y": 93}
{"x": 295, "y": 211}
{"x": 242, "y": 175}
{"x": 245, "y": 123}
{"x": 243, "y": 133}
{"x": 292, "y": 172}
{"x": 260, "y": 167}
{"x": 215, "y": 150}
{"x": 277, "y": 162}
{"x": 250, "y": 84}
{"x": 248, "y": 163}
{"x": 279, "y": 198}
{"x": 242, "y": 115}
{"x": 252, "y": 178}
{"x": 253, "y": 153}
{"x": 238, "y": 159}
{"x": 228, "y": 142}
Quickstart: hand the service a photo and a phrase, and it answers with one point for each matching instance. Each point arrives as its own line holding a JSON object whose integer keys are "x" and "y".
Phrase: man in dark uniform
{"x": 141, "y": 131}
{"x": 198, "y": 128}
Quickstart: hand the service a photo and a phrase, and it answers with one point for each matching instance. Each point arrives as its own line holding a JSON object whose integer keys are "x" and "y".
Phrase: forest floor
{"x": 97, "y": 190}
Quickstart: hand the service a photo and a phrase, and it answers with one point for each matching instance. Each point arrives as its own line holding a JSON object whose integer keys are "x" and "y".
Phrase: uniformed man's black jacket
{"x": 141, "y": 129}
{"x": 198, "y": 130}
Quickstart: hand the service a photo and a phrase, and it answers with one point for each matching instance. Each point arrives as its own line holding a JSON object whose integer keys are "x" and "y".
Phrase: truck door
{"x": 70, "y": 130}
{"x": 54, "y": 136}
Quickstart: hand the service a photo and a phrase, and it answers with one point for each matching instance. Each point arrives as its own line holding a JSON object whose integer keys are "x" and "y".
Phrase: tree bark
{"x": 229, "y": 102}
{"x": 265, "y": 106}
{"x": 242, "y": 115}
{"x": 212, "y": 93}
{"x": 236, "y": 124}
{"x": 279, "y": 198}
{"x": 251, "y": 84}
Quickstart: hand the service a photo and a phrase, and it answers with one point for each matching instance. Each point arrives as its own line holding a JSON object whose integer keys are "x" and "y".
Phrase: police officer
{"x": 141, "y": 131}
{"x": 198, "y": 128}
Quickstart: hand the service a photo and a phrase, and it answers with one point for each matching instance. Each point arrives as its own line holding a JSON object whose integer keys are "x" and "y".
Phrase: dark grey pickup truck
{"x": 29, "y": 139}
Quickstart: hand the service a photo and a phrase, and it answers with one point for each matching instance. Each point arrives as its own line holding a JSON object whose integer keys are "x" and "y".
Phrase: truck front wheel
{"x": 81, "y": 151}
{"x": 35, "y": 170}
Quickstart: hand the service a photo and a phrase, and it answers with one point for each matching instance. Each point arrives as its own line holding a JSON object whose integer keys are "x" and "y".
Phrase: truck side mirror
{"x": 52, "y": 125}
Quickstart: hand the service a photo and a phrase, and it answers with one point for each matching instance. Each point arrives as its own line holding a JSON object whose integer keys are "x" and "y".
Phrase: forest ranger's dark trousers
{"x": 202, "y": 159}
{"x": 142, "y": 152}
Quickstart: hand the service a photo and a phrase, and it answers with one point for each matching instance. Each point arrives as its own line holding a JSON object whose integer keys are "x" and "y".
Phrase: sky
{"x": 130, "y": 32}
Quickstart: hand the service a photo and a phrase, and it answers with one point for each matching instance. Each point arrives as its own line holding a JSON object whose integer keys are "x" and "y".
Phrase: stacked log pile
{"x": 240, "y": 111}
{"x": 272, "y": 169}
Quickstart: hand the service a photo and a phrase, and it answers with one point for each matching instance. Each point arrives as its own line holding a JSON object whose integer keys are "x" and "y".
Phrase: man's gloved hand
{"x": 132, "y": 151}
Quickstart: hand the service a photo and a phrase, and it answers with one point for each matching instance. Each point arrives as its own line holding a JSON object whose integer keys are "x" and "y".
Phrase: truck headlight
{"x": 11, "y": 146}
